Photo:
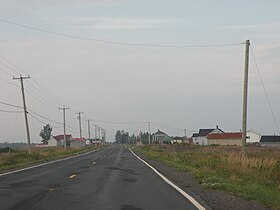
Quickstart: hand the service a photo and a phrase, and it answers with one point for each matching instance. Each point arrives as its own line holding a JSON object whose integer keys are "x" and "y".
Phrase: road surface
{"x": 103, "y": 180}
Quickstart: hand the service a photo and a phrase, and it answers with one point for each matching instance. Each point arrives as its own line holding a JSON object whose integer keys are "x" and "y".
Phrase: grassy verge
{"x": 256, "y": 177}
{"x": 21, "y": 158}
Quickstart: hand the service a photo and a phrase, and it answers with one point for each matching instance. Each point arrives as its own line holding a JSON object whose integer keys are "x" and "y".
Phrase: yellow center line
{"x": 72, "y": 176}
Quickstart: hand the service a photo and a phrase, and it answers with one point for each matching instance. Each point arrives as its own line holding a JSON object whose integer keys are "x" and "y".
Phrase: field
{"x": 20, "y": 157}
{"x": 256, "y": 177}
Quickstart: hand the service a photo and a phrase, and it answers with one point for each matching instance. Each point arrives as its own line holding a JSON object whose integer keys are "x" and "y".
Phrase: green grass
{"x": 21, "y": 158}
{"x": 256, "y": 177}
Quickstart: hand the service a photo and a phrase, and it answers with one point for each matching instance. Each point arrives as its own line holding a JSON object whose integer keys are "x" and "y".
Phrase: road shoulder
{"x": 215, "y": 199}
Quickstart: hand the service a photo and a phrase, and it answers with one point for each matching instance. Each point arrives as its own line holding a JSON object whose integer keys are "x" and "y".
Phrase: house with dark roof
{"x": 160, "y": 137}
{"x": 201, "y": 137}
{"x": 270, "y": 141}
{"x": 234, "y": 139}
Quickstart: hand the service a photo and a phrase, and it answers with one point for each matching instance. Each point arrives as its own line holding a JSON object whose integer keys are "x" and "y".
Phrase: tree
{"x": 46, "y": 133}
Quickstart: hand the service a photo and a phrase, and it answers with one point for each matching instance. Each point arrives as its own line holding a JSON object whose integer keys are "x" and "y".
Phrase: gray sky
{"x": 179, "y": 87}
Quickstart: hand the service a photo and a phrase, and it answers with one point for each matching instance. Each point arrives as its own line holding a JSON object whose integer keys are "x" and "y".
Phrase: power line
{"x": 8, "y": 111}
{"x": 165, "y": 126}
{"x": 12, "y": 65}
{"x": 117, "y": 43}
{"x": 119, "y": 122}
{"x": 6, "y": 72}
{"x": 44, "y": 123}
{"x": 12, "y": 105}
{"x": 49, "y": 96}
{"x": 46, "y": 118}
{"x": 9, "y": 82}
{"x": 265, "y": 92}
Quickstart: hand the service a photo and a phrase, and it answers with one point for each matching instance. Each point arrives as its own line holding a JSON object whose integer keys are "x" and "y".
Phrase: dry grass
{"x": 20, "y": 158}
{"x": 256, "y": 177}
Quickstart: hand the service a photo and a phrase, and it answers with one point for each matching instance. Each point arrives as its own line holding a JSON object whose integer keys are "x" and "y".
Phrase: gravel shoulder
{"x": 212, "y": 199}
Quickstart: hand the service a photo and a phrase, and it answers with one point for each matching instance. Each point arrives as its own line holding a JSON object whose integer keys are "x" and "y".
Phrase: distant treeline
{"x": 123, "y": 137}
{"x": 14, "y": 145}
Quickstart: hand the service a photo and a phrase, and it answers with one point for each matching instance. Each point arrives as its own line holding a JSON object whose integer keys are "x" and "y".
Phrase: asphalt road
{"x": 103, "y": 180}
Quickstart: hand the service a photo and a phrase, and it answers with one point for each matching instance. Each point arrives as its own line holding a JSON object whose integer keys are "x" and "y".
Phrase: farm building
{"x": 201, "y": 137}
{"x": 270, "y": 141}
{"x": 78, "y": 142}
{"x": 58, "y": 141}
{"x": 225, "y": 139}
{"x": 253, "y": 137}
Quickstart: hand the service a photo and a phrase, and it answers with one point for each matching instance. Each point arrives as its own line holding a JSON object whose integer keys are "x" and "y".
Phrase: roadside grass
{"x": 20, "y": 157}
{"x": 256, "y": 177}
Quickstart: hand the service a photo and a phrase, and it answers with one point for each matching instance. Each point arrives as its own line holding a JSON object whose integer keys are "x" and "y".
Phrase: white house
{"x": 53, "y": 142}
{"x": 253, "y": 137}
{"x": 160, "y": 137}
{"x": 201, "y": 138}
{"x": 58, "y": 141}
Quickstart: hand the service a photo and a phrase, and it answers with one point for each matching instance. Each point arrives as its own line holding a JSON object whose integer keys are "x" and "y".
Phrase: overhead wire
{"x": 165, "y": 126}
{"x": 12, "y": 105}
{"x": 265, "y": 91}
{"x": 46, "y": 118}
{"x": 44, "y": 123}
{"x": 6, "y": 72}
{"x": 9, "y": 82}
{"x": 8, "y": 111}
{"x": 115, "y": 42}
{"x": 118, "y": 122}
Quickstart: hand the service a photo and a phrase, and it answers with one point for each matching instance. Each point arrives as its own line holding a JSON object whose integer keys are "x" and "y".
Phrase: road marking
{"x": 182, "y": 192}
{"x": 47, "y": 163}
{"x": 72, "y": 176}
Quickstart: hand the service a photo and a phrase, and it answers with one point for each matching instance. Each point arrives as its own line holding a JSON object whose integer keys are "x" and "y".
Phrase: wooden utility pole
{"x": 21, "y": 78}
{"x": 64, "y": 125}
{"x": 95, "y": 126}
{"x": 88, "y": 121}
{"x": 185, "y": 131}
{"x": 98, "y": 132}
{"x": 245, "y": 98}
{"x": 149, "y": 131}
{"x": 80, "y": 123}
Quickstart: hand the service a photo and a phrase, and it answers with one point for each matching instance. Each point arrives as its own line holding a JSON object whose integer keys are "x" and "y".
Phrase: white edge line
{"x": 182, "y": 192}
{"x": 47, "y": 163}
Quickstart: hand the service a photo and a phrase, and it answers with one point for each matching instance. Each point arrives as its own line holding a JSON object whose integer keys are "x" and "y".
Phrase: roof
{"x": 225, "y": 136}
{"x": 159, "y": 132}
{"x": 78, "y": 139}
{"x": 61, "y": 137}
{"x": 205, "y": 132}
{"x": 270, "y": 139}
{"x": 195, "y": 135}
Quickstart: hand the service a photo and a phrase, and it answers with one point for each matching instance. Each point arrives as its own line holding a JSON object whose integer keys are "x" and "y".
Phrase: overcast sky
{"x": 183, "y": 87}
